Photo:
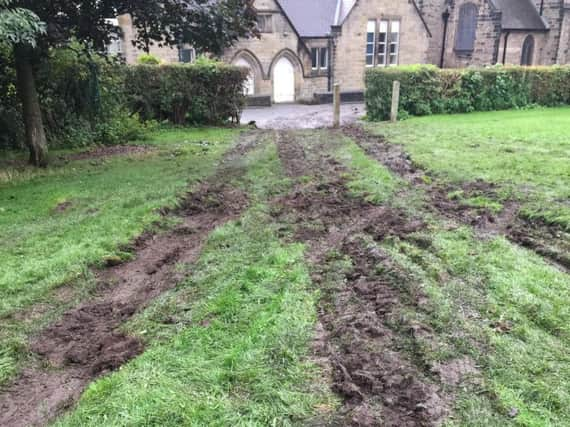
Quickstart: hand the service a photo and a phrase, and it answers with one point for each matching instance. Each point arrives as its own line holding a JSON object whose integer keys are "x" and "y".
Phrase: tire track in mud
{"x": 549, "y": 241}
{"x": 87, "y": 341}
{"x": 379, "y": 384}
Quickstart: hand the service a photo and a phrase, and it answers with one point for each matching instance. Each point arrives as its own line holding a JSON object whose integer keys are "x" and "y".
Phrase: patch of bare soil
{"x": 62, "y": 207}
{"x": 87, "y": 341}
{"x": 380, "y": 385}
{"x": 109, "y": 151}
{"x": 551, "y": 242}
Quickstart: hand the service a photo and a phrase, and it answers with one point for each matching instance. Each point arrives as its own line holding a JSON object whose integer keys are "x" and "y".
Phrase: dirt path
{"x": 379, "y": 384}
{"x": 551, "y": 242}
{"x": 87, "y": 341}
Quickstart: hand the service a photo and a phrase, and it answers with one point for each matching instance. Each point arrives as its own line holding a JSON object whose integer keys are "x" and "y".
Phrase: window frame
{"x": 192, "y": 55}
{"x": 383, "y": 25}
{"x": 323, "y": 52}
{"x": 396, "y": 53}
{"x": 268, "y": 23}
{"x": 460, "y": 45}
{"x": 383, "y": 28}
{"x": 316, "y": 58}
{"x": 368, "y": 43}
{"x": 527, "y": 51}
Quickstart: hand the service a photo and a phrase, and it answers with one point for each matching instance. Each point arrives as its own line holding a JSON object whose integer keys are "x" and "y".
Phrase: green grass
{"x": 526, "y": 152}
{"x": 473, "y": 286}
{"x": 243, "y": 321}
{"x": 366, "y": 178}
{"x": 229, "y": 345}
{"x": 110, "y": 202}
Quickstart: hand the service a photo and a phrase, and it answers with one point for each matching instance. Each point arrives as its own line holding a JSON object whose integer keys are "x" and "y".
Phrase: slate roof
{"x": 520, "y": 15}
{"x": 311, "y": 18}
{"x": 314, "y": 18}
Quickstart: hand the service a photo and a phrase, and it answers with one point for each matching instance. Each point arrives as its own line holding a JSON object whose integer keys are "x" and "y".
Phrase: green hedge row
{"x": 196, "y": 94}
{"x": 429, "y": 90}
{"x": 81, "y": 99}
{"x": 93, "y": 100}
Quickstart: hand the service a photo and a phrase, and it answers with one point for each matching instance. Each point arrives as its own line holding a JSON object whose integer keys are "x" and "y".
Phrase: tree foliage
{"x": 208, "y": 25}
{"x": 19, "y": 25}
{"x": 34, "y": 27}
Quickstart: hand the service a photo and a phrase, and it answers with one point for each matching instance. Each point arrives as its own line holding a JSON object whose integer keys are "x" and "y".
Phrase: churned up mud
{"x": 549, "y": 241}
{"x": 379, "y": 384}
{"x": 87, "y": 341}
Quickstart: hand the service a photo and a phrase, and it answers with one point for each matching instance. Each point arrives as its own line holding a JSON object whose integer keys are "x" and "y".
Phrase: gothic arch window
{"x": 466, "y": 28}
{"x": 527, "y": 56}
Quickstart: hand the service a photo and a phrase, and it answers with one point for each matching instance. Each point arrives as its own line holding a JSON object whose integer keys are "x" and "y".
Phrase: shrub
{"x": 208, "y": 92}
{"x": 148, "y": 59}
{"x": 426, "y": 89}
{"x": 82, "y": 100}
{"x": 11, "y": 126}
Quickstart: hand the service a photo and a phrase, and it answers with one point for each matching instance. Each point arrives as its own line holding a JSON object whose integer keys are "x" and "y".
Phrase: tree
{"x": 20, "y": 28}
{"x": 33, "y": 27}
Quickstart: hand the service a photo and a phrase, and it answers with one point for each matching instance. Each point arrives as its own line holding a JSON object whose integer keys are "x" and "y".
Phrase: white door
{"x": 249, "y": 85}
{"x": 283, "y": 81}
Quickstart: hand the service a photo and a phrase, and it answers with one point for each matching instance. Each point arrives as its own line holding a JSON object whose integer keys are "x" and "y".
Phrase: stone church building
{"x": 306, "y": 45}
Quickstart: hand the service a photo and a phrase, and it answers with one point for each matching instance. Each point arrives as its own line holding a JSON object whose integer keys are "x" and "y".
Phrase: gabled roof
{"x": 311, "y": 18}
{"x": 520, "y": 15}
{"x": 314, "y": 18}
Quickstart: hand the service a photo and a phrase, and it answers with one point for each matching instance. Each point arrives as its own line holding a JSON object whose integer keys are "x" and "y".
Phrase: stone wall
{"x": 552, "y": 14}
{"x": 263, "y": 52}
{"x": 350, "y": 46}
{"x": 487, "y": 39}
{"x": 131, "y": 53}
{"x": 563, "y": 56}
{"x": 515, "y": 43}
{"x": 418, "y": 44}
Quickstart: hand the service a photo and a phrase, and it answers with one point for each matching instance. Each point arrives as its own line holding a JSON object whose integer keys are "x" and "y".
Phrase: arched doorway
{"x": 283, "y": 81}
{"x": 249, "y": 86}
{"x": 527, "y": 55}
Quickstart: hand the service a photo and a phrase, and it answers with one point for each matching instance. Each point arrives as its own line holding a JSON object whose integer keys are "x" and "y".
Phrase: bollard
{"x": 395, "y": 101}
{"x": 336, "y": 105}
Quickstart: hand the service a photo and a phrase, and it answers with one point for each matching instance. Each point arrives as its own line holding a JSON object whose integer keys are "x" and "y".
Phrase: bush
{"x": 82, "y": 100}
{"x": 148, "y": 59}
{"x": 93, "y": 100}
{"x": 425, "y": 89}
{"x": 11, "y": 126}
{"x": 207, "y": 92}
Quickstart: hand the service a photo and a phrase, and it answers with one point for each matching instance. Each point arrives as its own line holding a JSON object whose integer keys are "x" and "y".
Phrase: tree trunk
{"x": 33, "y": 122}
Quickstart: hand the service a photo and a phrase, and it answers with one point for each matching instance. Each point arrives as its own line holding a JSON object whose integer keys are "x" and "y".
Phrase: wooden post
{"x": 336, "y": 105}
{"x": 395, "y": 101}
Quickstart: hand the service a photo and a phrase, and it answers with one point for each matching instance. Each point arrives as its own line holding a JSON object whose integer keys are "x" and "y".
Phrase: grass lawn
{"x": 244, "y": 318}
{"x": 231, "y": 343}
{"x": 55, "y": 223}
{"x": 526, "y": 152}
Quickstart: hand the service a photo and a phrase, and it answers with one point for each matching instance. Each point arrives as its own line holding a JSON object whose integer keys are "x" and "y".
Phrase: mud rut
{"x": 357, "y": 341}
{"x": 551, "y": 242}
{"x": 87, "y": 341}
{"x": 379, "y": 384}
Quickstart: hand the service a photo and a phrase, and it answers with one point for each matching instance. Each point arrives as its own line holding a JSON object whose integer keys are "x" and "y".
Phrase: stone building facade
{"x": 307, "y": 45}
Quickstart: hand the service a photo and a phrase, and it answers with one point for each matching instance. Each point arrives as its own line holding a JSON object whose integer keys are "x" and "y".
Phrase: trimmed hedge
{"x": 207, "y": 93}
{"x": 429, "y": 90}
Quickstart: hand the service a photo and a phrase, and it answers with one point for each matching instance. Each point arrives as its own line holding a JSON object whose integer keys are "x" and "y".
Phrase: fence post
{"x": 336, "y": 105}
{"x": 395, "y": 101}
